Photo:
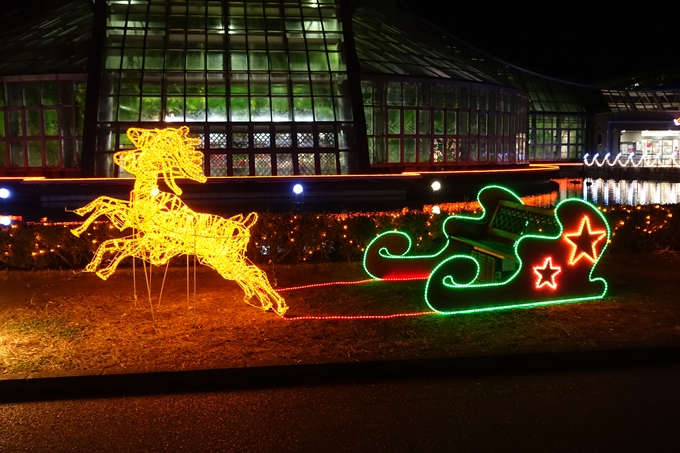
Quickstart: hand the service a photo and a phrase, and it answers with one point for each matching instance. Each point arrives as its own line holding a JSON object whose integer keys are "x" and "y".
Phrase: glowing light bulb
{"x": 297, "y": 189}
{"x": 5, "y": 220}
{"x": 4, "y": 193}
{"x": 436, "y": 186}
{"x": 436, "y": 209}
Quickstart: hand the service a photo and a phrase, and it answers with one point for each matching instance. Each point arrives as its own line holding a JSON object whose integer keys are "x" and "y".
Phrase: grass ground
{"x": 61, "y": 321}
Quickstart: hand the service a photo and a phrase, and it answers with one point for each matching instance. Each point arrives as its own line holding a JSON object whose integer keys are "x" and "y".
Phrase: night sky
{"x": 587, "y": 46}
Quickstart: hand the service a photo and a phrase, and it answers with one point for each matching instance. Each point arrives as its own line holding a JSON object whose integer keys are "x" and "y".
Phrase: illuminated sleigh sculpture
{"x": 164, "y": 227}
{"x": 550, "y": 268}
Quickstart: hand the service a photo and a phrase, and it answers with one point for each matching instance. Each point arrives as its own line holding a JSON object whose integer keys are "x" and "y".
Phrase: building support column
{"x": 94, "y": 69}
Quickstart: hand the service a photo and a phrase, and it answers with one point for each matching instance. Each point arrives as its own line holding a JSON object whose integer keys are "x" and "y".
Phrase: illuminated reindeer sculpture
{"x": 164, "y": 227}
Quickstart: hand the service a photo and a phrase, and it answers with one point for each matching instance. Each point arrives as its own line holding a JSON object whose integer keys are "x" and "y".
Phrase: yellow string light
{"x": 164, "y": 226}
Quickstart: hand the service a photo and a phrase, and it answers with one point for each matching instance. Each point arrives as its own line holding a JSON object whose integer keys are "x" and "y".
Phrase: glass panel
{"x": 15, "y": 95}
{"x": 424, "y": 150}
{"x": 281, "y": 109}
{"x": 438, "y": 122}
{"x": 394, "y": 93}
{"x": 451, "y": 150}
{"x": 51, "y": 125}
{"x": 463, "y": 150}
{"x": 409, "y": 122}
{"x": 260, "y": 110}
{"x": 241, "y": 165}
{"x": 425, "y": 126}
{"x": 394, "y": 121}
{"x": 239, "y": 109}
{"x": 16, "y": 150}
{"x": 278, "y": 61}
{"x": 195, "y": 109}
{"x": 343, "y": 109}
{"x": 379, "y": 151}
{"x": 323, "y": 109}
{"x": 33, "y": 123}
{"x": 263, "y": 165}
{"x": 215, "y": 61}
{"x": 238, "y": 61}
{"x": 154, "y": 59}
{"x": 240, "y": 137}
{"x": 409, "y": 150}
{"x": 326, "y": 138}
{"x": 218, "y": 165}
{"x": 328, "y": 164}
{"x": 218, "y": 137}
{"x": 31, "y": 93}
{"x": 474, "y": 156}
{"x": 451, "y": 123}
{"x": 303, "y": 109}
{"x": 151, "y": 109}
{"x": 15, "y": 124}
{"x": 306, "y": 164}
{"x": 463, "y": 123}
{"x": 174, "y": 109}
{"x": 305, "y": 140}
{"x": 261, "y": 138}
{"x": 34, "y": 154}
{"x": 438, "y": 149}
{"x": 52, "y": 153}
{"x": 67, "y": 122}
{"x": 284, "y": 164}
{"x": 394, "y": 147}
{"x": 70, "y": 152}
{"x": 217, "y": 109}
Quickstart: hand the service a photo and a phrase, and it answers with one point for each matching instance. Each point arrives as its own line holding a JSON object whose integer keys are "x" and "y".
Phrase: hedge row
{"x": 300, "y": 237}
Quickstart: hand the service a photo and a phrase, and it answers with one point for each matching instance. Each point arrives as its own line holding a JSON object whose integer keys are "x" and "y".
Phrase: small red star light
{"x": 584, "y": 242}
{"x": 546, "y": 274}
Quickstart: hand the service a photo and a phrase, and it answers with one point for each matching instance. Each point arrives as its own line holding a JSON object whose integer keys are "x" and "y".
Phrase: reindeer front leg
{"x": 122, "y": 248}
{"x": 254, "y": 282}
{"x": 114, "y": 208}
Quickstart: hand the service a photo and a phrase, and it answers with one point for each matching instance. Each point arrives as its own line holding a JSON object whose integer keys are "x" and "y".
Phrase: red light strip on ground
{"x": 351, "y": 317}
{"x": 357, "y": 282}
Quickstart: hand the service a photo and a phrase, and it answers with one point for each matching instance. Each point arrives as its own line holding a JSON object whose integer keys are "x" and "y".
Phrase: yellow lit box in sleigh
{"x": 510, "y": 256}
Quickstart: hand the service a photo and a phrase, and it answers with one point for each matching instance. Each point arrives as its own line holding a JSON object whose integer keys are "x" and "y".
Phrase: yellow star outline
{"x": 584, "y": 242}
{"x": 546, "y": 274}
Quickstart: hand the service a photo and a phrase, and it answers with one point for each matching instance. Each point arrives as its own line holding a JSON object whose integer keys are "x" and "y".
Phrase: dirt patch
{"x": 52, "y": 321}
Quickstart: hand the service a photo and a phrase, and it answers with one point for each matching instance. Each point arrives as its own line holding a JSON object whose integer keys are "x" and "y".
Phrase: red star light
{"x": 546, "y": 274}
{"x": 584, "y": 242}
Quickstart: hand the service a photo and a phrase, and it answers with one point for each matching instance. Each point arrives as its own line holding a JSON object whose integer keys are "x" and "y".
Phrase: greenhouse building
{"x": 281, "y": 88}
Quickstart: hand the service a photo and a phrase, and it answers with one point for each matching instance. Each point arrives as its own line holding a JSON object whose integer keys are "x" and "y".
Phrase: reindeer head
{"x": 168, "y": 152}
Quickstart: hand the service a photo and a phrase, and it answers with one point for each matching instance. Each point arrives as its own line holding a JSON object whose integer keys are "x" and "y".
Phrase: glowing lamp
{"x": 5, "y": 220}
{"x": 4, "y": 193}
{"x": 297, "y": 189}
{"x": 436, "y": 186}
{"x": 436, "y": 209}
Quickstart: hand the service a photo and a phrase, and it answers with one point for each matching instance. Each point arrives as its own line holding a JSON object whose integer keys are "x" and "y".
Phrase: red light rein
{"x": 350, "y": 317}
